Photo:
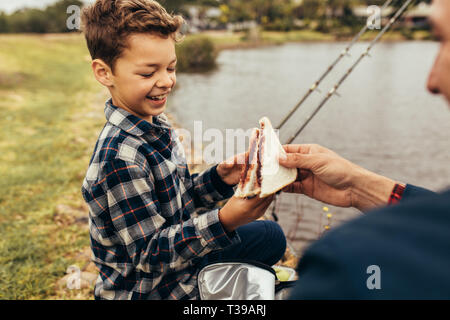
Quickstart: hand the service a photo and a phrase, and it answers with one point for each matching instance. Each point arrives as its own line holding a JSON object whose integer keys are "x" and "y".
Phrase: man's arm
{"x": 327, "y": 177}
{"x": 414, "y": 192}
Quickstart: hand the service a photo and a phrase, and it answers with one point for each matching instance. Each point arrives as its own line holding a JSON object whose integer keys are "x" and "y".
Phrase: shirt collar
{"x": 133, "y": 124}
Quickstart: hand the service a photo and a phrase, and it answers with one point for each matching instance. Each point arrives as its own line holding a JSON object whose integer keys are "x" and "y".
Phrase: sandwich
{"x": 262, "y": 174}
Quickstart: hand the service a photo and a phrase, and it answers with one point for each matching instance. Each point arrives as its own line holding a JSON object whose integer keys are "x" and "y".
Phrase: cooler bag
{"x": 241, "y": 280}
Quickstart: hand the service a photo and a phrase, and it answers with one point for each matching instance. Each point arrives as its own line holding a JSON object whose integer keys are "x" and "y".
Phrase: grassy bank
{"x": 48, "y": 122}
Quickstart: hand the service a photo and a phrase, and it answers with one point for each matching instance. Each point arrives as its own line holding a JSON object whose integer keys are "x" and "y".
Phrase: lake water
{"x": 385, "y": 120}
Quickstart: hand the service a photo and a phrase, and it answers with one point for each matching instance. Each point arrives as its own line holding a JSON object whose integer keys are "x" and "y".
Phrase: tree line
{"x": 270, "y": 14}
{"x": 52, "y": 19}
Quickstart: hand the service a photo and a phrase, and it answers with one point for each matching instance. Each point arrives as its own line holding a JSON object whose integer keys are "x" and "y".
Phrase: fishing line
{"x": 315, "y": 86}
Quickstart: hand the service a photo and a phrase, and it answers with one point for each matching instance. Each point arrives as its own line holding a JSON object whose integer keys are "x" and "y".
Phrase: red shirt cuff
{"x": 397, "y": 193}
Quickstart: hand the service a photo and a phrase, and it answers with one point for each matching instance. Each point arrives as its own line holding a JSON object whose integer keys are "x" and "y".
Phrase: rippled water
{"x": 384, "y": 120}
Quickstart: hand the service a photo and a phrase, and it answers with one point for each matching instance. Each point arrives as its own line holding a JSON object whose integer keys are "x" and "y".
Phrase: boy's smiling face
{"x": 144, "y": 75}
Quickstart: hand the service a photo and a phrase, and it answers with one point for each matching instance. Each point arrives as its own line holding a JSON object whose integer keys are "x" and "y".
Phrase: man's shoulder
{"x": 408, "y": 242}
{"x": 402, "y": 223}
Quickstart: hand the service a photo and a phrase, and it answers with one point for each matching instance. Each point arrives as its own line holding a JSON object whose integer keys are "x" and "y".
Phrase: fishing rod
{"x": 333, "y": 90}
{"x": 316, "y": 84}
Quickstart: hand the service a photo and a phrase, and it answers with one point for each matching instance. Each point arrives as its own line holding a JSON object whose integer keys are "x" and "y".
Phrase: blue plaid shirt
{"x": 150, "y": 221}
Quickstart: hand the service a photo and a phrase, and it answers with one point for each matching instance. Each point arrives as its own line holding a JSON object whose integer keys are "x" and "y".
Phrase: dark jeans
{"x": 261, "y": 241}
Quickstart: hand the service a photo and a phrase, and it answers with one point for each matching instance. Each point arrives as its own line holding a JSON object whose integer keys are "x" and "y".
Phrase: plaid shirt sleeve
{"x": 210, "y": 189}
{"x": 153, "y": 241}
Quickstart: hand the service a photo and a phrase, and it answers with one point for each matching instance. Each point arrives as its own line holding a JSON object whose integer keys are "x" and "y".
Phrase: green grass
{"x": 46, "y": 88}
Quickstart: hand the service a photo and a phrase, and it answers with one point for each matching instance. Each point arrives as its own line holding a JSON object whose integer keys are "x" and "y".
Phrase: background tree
{"x": 51, "y": 19}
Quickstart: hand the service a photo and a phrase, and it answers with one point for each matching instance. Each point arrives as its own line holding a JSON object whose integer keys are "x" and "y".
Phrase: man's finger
{"x": 297, "y": 148}
{"x": 298, "y": 160}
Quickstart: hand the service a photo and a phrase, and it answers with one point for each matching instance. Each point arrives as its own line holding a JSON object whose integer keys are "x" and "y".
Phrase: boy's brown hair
{"x": 108, "y": 23}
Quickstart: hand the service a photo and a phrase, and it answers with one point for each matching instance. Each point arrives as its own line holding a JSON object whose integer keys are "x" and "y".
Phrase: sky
{"x": 10, "y": 6}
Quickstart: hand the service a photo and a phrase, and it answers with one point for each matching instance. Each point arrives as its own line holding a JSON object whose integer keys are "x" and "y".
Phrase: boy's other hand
{"x": 230, "y": 170}
{"x": 238, "y": 212}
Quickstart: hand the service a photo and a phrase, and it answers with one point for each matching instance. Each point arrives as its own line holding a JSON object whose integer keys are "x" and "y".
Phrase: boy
{"x": 147, "y": 239}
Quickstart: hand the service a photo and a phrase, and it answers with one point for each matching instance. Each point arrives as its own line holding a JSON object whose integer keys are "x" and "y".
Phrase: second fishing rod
{"x": 365, "y": 54}
{"x": 333, "y": 91}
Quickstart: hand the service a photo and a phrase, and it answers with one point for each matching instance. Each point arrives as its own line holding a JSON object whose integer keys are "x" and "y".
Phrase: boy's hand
{"x": 238, "y": 212}
{"x": 230, "y": 170}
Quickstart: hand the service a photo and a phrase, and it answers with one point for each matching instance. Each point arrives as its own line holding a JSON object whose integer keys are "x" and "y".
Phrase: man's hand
{"x": 327, "y": 177}
{"x": 238, "y": 212}
{"x": 230, "y": 170}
